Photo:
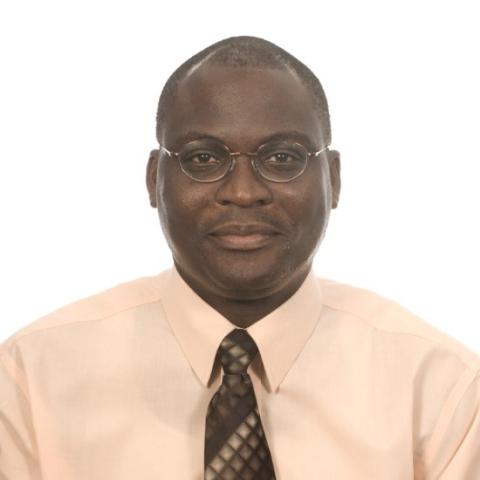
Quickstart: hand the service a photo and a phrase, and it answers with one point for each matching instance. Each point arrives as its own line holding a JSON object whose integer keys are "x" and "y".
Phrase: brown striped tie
{"x": 235, "y": 444}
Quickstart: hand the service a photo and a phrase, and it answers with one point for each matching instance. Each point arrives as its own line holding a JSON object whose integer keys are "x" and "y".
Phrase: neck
{"x": 244, "y": 313}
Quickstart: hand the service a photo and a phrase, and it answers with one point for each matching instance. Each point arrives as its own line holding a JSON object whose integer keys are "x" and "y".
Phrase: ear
{"x": 334, "y": 165}
{"x": 151, "y": 177}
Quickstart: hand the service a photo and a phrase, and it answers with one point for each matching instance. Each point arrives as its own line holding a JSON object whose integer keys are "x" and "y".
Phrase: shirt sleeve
{"x": 18, "y": 452}
{"x": 453, "y": 452}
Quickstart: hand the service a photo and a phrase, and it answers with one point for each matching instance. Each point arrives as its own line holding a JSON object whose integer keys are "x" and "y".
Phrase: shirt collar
{"x": 280, "y": 336}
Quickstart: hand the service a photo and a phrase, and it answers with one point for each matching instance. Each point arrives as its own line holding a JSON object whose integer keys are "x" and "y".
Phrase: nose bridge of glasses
{"x": 250, "y": 157}
{"x": 243, "y": 154}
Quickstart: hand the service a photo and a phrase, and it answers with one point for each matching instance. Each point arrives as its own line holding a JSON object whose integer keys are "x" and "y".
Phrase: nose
{"x": 243, "y": 186}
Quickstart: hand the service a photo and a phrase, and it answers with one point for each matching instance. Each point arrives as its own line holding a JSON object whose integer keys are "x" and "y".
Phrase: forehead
{"x": 241, "y": 106}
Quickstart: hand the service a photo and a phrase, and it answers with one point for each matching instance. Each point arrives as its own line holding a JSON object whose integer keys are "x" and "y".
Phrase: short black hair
{"x": 247, "y": 51}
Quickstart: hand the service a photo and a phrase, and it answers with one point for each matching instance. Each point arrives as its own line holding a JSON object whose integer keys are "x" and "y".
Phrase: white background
{"x": 79, "y": 88}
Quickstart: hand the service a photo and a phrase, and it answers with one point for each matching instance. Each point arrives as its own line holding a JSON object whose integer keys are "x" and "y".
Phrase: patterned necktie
{"x": 235, "y": 444}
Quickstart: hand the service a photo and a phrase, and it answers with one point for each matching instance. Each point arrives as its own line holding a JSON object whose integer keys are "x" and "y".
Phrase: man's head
{"x": 243, "y": 236}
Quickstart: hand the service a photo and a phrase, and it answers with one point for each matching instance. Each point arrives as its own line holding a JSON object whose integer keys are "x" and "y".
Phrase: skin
{"x": 243, "y": 107}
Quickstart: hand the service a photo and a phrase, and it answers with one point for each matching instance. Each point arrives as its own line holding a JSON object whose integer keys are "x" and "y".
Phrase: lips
{"x": 235, "y": 236}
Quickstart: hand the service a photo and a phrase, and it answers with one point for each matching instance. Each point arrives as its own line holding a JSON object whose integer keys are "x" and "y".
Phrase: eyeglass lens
{"x": 209, "y": 161}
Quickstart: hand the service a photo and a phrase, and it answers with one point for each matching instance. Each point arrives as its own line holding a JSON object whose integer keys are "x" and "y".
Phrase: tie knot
{"x": 237, "y": 351}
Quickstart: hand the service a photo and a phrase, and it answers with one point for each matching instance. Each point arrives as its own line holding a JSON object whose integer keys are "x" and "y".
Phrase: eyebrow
{"x": 287, "y": 134}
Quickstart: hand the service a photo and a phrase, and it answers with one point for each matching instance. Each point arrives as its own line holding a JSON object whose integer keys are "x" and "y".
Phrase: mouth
{"x": 244, "y": 237}
{"x": 253, "y": 241}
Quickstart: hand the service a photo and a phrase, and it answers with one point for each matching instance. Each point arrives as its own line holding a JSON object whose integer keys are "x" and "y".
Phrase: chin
{"x": 247, "y": 280}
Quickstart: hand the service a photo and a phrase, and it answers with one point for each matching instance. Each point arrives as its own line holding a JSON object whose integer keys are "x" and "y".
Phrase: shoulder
{"x": 390, "y": 319}
{"x": 105, "y": 304}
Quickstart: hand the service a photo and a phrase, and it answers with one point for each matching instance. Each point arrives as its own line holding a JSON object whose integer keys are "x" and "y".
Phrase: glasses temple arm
{"x": 169, "y": 152}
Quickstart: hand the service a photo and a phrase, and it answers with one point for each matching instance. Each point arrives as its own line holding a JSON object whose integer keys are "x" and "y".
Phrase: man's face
{"x": 243, "y": 237}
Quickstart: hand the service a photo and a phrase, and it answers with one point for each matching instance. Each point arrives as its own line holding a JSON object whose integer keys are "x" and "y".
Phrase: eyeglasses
{"x": 205, "y": 160}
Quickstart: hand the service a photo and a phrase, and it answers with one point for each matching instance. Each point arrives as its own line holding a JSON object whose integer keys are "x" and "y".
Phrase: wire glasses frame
{"x": 254, "y": 156}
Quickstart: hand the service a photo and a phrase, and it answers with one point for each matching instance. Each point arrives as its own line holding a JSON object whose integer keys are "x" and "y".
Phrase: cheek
{"x": 179, "y": 202}
{"x": 308, "y": 209}
{"x": 306, "y": 205}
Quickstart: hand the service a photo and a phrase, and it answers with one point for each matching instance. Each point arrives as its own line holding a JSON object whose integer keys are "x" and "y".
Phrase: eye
{"x": 201, "y": 161}
{"x": 202, "y": 158}
{"x": 280, "y": 158}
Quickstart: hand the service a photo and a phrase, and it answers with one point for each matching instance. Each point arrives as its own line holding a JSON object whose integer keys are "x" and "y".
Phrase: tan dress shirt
{"x": 350, "y": 386}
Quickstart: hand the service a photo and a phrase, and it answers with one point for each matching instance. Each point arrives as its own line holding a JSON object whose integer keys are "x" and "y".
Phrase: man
{"x": 238, "y": 363}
